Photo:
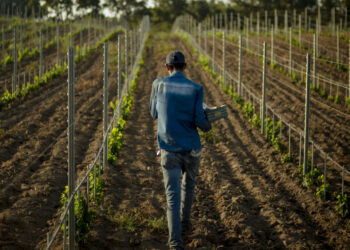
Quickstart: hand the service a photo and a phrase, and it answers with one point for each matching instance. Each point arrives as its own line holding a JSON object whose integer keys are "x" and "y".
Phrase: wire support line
{"x": 286, "y": 66}
{"x": 290, "y": 125}
{"x": 116, "y": 116}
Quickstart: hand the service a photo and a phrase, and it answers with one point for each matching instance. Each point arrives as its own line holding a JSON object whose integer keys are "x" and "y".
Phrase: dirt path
{"x": 33, "y": 169}
{"x": 244, "y": 197}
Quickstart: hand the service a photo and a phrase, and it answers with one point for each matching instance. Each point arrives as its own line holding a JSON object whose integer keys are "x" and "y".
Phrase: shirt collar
{"x": 177, "y": 74}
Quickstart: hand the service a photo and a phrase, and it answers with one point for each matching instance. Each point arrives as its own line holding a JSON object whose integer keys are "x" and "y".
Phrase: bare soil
{"x": 245, "y": 198}
{"x": 326, "y": 69}
{"x": 33, "y": 153}
{"x": 49, "y": 57}
{"x": 328, "y": 122}
{"x": 328, "y": 47}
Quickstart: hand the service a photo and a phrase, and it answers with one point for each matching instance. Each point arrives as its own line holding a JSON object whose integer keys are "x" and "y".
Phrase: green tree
{"x": 60, "y": 6}
{"x": 19, "y": 6}
{"x": 93, "y": 5}
{"x": 329, "y": 4}
{"x": 126, "y": 7}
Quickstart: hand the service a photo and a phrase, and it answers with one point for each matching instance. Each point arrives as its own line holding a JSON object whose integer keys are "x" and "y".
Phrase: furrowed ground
{"x": 33, "y": 161}
{"x": 245, "y": 198}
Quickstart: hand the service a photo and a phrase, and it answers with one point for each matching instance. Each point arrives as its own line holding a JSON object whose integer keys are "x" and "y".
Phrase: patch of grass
{"x": 287, "y": 158}
{"x": 83, "y": 216}
{"x": 347, "y": 102}
{"x": 210, "y": 136}
{"x": 125, "y": 221}
{"x": 99, "y": 196}
{"x": 312, "y": 178}
{"x": 342, "y": 205}
{"x": 336, "y": 99}
{"x": 323, "y": 191}
{"x": 158, "y": 225}
{"x": 135, "y": 219}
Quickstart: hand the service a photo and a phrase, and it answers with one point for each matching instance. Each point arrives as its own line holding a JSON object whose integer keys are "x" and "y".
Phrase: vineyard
{"x": 78, "y": 156}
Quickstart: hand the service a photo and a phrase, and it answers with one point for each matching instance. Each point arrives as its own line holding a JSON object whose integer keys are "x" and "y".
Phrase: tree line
{"x": 163, "y": 11}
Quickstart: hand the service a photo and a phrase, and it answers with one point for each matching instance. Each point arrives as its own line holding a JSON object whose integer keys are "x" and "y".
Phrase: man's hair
{"x": 177, "y": 66}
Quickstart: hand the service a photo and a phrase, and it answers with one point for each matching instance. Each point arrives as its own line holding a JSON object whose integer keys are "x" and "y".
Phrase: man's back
{"x": 177, "y": 103}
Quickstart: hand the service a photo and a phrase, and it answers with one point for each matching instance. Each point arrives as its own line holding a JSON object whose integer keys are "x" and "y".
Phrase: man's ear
{"x": 185, "y": 66}
{"x": 167, "y": 67}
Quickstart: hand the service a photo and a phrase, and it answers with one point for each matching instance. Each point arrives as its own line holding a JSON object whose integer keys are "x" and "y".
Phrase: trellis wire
{"x": 144, "y": 28}
{"x": 327, "y": 158}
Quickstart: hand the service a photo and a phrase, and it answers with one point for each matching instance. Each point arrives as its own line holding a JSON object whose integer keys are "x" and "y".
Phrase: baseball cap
{"x": 175, "y": 57}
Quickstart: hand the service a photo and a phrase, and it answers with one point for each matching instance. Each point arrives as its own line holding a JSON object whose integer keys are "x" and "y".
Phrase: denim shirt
{"x": 177, "y": 104}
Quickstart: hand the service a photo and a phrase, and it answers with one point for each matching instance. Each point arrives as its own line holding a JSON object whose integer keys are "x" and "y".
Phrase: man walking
{"x": 177, "y": 104}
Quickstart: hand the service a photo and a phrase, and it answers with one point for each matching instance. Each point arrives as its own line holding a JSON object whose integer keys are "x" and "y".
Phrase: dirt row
{"x": 33, "y": 157}
{"x": 323, "y": 69}
{"x": 244, "y": 197}
{"x": 49, "y": 57}
{"x": 28, "y": 40}
{"x": 328, "y": 127}
{"x": 328, "y": 47}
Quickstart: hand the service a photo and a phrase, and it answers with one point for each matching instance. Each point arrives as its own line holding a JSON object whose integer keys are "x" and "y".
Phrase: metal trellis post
{"x": 14, "y": 82}
{"x": 240, "y": 67}
{"x": 58, "y": 42}
{"x": 70, "y": 34}
{"x": 3, "y": 42}
{"x": 307, "y": 111}
{"x": 290, "y": 51}
{"x": 338, "y": 47}
{"x": 349, "y": 69}
{"x": 214, "y": 34}
{"x": 263, "y": 97}
{"x": 119, "y": 68}
{"x": 41, "y": 55}
{"x": 126, "y": 59}
{"x": 272, "y": 45}
{"x": 224, "y": 60}
{"x": 105, "y": 106}
{"x": 71, "y": 149}
{"x": 314, "y": 64}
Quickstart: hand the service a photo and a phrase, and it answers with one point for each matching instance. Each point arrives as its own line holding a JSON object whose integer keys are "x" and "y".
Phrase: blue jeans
{"x": 179, "y": 199}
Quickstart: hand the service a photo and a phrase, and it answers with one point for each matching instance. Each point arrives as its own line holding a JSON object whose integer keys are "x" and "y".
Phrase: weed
{"x": 8, "y": 60}
{"x": 323, "y": 93}
{"x": 209, "y": 136}
{"x": 287, "y": 158}
{"x": 125, "y": 221}
{"x": 158, "y": 225}
{"x": 115, "y": 143}
{"x": 312, "y": 178}
{"x": 239, "y": 100}
{"x": 248, "y": 110}
{"x": 83, "y": 216}
{"x": 114, "y": 105}
{"x": 134, "y": 219}
{"x": 336, "y": 99}
{"x": 347, "y": 102}
{"x": 255, "y": 121}
{"x": 98, "y": 199}
{"x": 342, "y": 205}
{"x": 324, "y": 190}
{"x": 330, "y": 98}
